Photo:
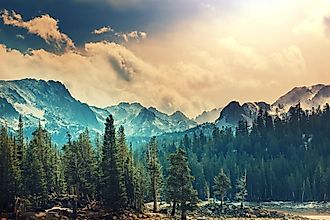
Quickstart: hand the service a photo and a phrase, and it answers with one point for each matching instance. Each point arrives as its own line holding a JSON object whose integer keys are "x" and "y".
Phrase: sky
{"x": 187, "y": 55}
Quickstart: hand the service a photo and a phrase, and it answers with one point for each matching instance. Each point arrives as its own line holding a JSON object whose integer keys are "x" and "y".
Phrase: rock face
{"x": 234, "y": 112}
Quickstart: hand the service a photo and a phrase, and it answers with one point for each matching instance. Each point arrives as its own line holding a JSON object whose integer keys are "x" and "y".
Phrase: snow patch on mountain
{"x": 308, "y": 97}
{"x": 30, "y": 110}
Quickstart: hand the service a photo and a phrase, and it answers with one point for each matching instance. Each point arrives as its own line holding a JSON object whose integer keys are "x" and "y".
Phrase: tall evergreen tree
{"x": 112, "y": 185}
{"x": 154, "y": 171}
{"x": 5, "y": 171}
{"x": 37, "y": 167}
{"x": 86, "y": 165}
{"x": 123, "y": 166}
{"x": 179, "y": 183}
{"x": 221, "y": 185}
{"x": 241, "y": 191}
{"x": 20, "y": 141}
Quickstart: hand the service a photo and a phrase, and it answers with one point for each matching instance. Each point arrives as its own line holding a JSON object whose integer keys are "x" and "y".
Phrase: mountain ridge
{"x": 51, "y": 103}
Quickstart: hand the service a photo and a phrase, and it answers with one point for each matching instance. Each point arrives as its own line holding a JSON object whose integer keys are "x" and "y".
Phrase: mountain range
{"x": 309, "y": 97}
{"x": 51, "y": 104}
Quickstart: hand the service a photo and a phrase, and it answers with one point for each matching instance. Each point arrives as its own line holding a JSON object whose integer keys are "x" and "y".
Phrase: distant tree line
{"x": 285, "y": 158}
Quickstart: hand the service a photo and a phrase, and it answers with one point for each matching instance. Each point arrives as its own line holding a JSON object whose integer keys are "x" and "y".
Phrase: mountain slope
{"x": 309, "y": 97}
{"x": 141, "y": 121}
{"x": 208, "y": 116}
{"x": 51, "y": 103}
{"x": 234, "y": 112}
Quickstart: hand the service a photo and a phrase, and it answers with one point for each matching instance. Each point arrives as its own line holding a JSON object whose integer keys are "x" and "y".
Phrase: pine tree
{"x": 20, "y": 141}
{"x": 80, "y": 166}
{"x": 5, "y": 176}
{"x": 34, "y": 168}
{"x": 60, "y": 184}
{"x": 70, "y": 168}
{"x": 15, "y": 173}
{"x": 86, "y": 165}
{"x": 112, "y": 186}
{"x": 98, "y": 155}
{"x": 18, "y": 155}
{"x": 221, "y": 185}
{"x": 129, "y": 178}
{"x": 241, "y": 191}
{"x": 154, "y": 171}
{"x": 139, "y": 185}
{"x": 179, "y": 183}
{"x": 123, "y": 166}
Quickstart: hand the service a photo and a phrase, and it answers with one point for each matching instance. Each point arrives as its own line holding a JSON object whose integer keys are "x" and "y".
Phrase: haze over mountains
{"x": 51, "y": 103}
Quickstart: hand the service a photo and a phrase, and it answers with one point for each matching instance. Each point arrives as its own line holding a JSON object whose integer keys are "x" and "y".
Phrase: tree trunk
{"x": 75, "y": 202}
{"x": 75, "y": 205}
{"x": 183, "y": 212}
{"x": 173, "y": 209}
{"x": 155, "y": 194}
{"x": 221, "y": 201}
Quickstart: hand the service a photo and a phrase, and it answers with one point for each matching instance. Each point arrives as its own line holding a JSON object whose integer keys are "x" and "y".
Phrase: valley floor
{"x": 205, "y": 211}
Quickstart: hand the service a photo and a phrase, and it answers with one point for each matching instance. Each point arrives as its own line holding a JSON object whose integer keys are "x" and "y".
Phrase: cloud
{"x": 134, "y": 35}
{"x": 196, "y": 64}
{"x": 44, "y": 26}
{"x": 102, "y": 74}
{"x": 316, "y": 21}
{"x": 243, "y": 55}
{"x": 291, "y": 60}
{"x": 20, "y": 36}
{"x": 103, "y": 30}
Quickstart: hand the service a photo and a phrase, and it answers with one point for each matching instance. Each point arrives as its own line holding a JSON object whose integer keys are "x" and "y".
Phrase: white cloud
{"x": 243, "y": 55}
{"x": 44, "y": 26}
{"x": 316, "y": 21}
{"x": 193, "y": 65}
{"x": 103, "y": 30}
{"x": 133, "y": 35}
{"x": 102, "y": 74}
{"x": 291, "y": 60}
{"x": 20, "y": 36}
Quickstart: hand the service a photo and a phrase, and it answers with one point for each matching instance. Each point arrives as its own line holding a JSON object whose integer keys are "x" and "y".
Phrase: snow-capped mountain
{"x": 51, "y": 103}
{"x": 48, "y": 102}
{"x": 309, "y": 97}
{"x": 141, "y": 121}
{"x": 208, "y": 116}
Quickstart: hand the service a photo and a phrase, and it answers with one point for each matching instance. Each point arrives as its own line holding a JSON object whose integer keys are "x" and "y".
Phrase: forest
{"x": 277, "y": 158}
{"x": 285, "y": 158}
